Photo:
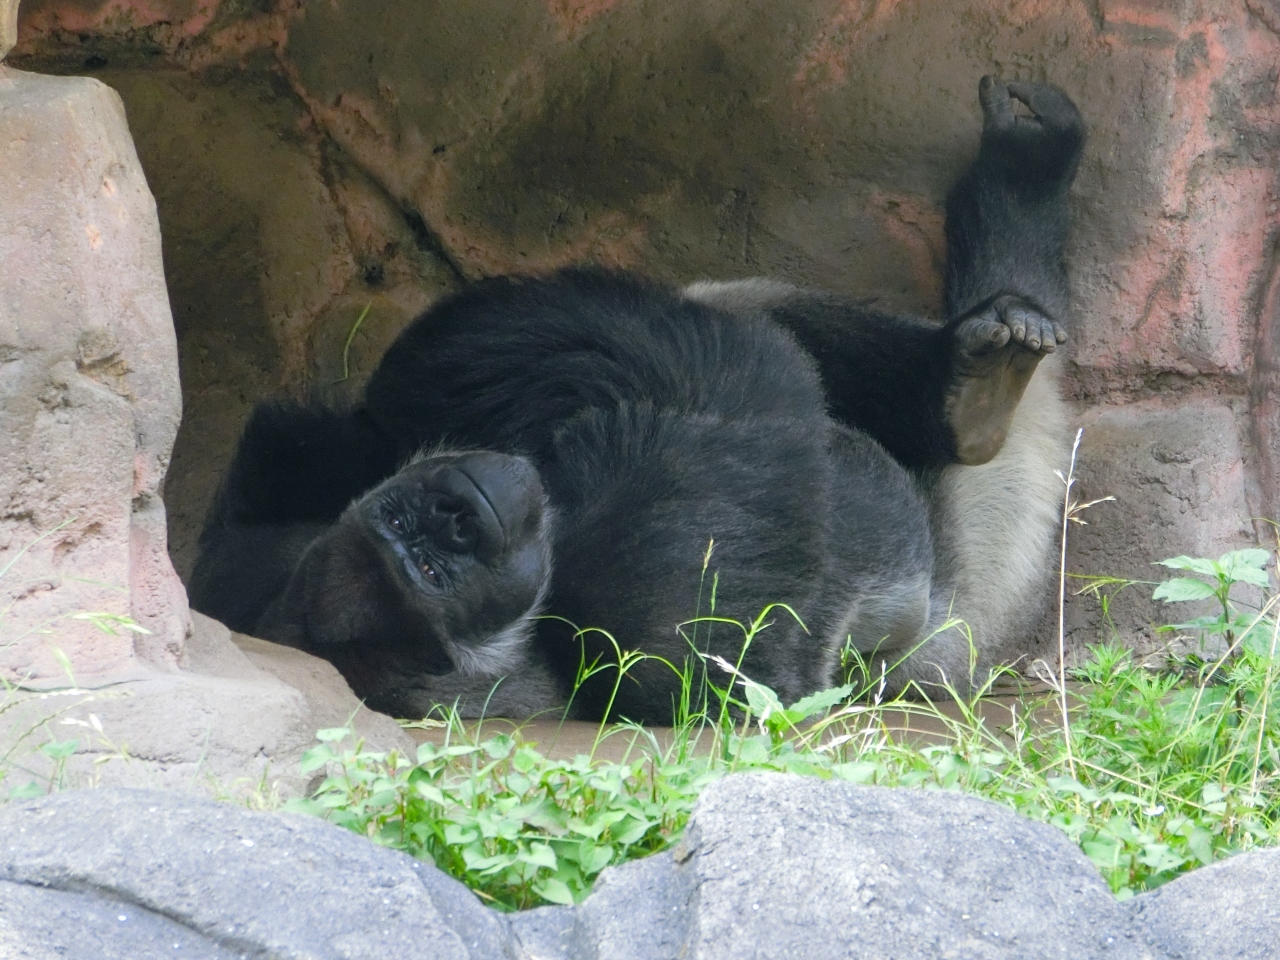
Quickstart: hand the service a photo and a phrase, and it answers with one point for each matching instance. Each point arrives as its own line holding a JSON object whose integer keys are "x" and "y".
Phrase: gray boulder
{"x": 220, "y": 881}
{"x": 1227, "y": 911}
{"x": 771, "y": 866}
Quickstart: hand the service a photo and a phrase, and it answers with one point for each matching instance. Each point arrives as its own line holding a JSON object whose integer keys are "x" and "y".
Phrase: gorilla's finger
{"x": 997, "y": 108}
{"x": 1050, "y": 105}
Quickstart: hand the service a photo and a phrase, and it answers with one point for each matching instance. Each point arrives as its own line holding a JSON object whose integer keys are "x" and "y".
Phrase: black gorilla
{"x": 573, "y": 443}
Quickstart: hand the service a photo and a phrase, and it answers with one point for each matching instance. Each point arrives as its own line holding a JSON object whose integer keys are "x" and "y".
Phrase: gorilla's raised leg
{"x": 1006, "y": 275}
{"x": 937, "y": 395}
{"x": 995, "y": 525}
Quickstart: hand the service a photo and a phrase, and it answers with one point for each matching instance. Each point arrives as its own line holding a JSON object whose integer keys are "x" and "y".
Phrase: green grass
{"x": 1157, "y": 771}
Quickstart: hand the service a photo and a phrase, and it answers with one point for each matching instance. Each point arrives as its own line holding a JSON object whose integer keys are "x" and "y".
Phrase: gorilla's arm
{"x": 931, "y": 394}
{"x": 299, "y": 463}
{"x": 295, "y": 470}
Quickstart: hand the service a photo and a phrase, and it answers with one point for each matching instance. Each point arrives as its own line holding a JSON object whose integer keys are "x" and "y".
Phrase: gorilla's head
{"x": 467, "y": 538}
{"x": 439, "y": 568}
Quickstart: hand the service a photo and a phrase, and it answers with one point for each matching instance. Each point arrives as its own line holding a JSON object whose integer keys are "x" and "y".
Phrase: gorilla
{"x": 591, "y": 448}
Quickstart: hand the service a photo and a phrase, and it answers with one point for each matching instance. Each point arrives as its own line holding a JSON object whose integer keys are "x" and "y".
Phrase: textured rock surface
{"x": 234, "y": 721}
{"x": 773, "y": 866}
{"x": 236, "y": 883}
{"x": 89, "y": 405}
{"x": 812, "y": 139}
{"x": 781, "y": 866}
{"x": 1177, "y": 468}
{"x": 8, "y": 26}
{"x": 1223, "y": 911}
{"x": 89, "y": 395}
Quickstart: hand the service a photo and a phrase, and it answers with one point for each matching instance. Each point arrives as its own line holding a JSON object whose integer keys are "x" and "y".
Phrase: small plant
{"x": 1233, "y": 625}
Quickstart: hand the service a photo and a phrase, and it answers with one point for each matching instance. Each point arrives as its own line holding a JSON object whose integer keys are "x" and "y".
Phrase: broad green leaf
{"x": 1253, "y": 558}
{"x": 1183, "y": 588}
{"x": 586, "y": 829}
{"x": 819, "y": 702}
{"x": 539, "y": 855}
{"x": 554, "y": 891}
{"x": 753, "y": 751}
{"x": 1196, "y": 564}
{"x": 1160, "y": 858}
{"x": 303, "y": 805}
{"x": 595, "y": 858}
{"x": 60, "y": 750}
{"x": 1212, "y": 793}
{"x": 861, "y": 772}
{"x": 1105, "y": 854}
{"x": 1068, "y": 785}
{"x": 1201, "y": 844}
{"x": 526, "y": 759}
{"x": 478, "y": 862}
{"x": 315, "y": 758}
{"x": 458, "y": 835}
{"x": 427, "y": 752}
{"x": 333, "y": 734}
{"x": 632, "y": 832}
{"x": 763, "y": 701}
{"x": 498, "y": 747}
{"x": 1252, "y": 576}
{"x": 27, "y": 791}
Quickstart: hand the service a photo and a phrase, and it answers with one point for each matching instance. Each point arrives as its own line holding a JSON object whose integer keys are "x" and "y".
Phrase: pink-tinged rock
{"x": 1266, "y": 396}
{"x": 184, "y": 18}
{"x": 1178, "y": 472}
{"x": 1181, "y": 296}
{"x": 8, "y": 26}
{"x": 89, "y": 397}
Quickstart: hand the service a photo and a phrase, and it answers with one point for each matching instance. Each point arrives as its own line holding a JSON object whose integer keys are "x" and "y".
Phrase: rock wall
{"x": 90, "y": 400}
{"x": 313, "y": 158}
{"x": 96, "y": 641}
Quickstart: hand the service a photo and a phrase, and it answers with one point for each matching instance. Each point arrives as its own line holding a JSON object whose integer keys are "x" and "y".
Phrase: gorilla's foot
{"x": 996, "y": 349}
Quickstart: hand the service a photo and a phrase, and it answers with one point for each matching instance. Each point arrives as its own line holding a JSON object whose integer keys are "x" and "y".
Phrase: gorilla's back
{"x": 506, "y": 362}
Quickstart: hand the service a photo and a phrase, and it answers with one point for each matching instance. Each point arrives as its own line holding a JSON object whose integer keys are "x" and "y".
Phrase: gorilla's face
{"x": 466, "y": 538}
{"x": 440, "y": 568}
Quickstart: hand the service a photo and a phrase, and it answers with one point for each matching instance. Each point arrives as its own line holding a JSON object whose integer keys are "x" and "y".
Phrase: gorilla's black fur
{"x": 588, "y": 434}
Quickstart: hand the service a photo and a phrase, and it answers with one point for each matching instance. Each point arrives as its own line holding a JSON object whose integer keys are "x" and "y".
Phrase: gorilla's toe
{"x": 1011, "y": 323}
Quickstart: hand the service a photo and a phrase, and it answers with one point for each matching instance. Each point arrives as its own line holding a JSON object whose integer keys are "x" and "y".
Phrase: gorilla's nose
{"x": 480, "y": 502}
{"x": 509, "y": 484}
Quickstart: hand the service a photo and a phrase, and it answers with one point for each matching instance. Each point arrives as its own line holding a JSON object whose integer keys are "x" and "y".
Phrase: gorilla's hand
{"x": 1042, "y": 148}
{"x": 995, "y": 350}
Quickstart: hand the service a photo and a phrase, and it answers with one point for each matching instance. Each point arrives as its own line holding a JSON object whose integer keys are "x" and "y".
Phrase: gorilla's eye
{"x": 395, "y": 523}
{"x": 429, "y": 572}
